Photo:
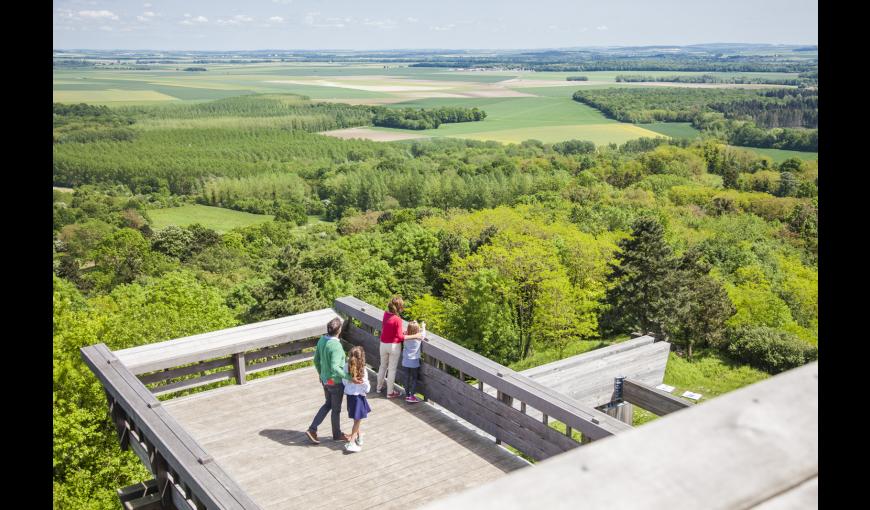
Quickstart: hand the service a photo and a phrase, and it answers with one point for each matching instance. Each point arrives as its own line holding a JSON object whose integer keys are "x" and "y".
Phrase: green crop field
{"x": 215, "y": 218}
{"x": 779, "y": 155}
{"x": 673, "y": 129}
{"x": 512, "y": 120}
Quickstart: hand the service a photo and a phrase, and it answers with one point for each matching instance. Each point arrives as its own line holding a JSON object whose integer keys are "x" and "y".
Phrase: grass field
{"x": 215, "y": 218}
{"x": 779, "y": 155}
{"x": 673, "y": 129}
{"x": 512, "y": 120}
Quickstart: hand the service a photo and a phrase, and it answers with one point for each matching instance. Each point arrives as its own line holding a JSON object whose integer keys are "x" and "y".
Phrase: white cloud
{"x": 602, "y": 27}
{"x": 282, "y": 2}
{"x": 148, "y": 14}
{"x": 194, "y": 21}
{"x": 552, "y": 27}
{"x": 385, "y": 24}
{"x": 186, "y": 15}
{"x": 146, "y": 4}
{"x": 443, "y": 28}
{"x": 243, "y": 18}
{"x": 309, "y": 17}
{"x": 412, "y": 20}
{"x": 277, "y": 19}
{"x": 106, "y": 28}
{"x": 102, "y": 14}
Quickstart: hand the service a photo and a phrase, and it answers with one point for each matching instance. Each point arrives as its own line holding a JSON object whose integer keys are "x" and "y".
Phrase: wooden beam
{"x": 239, "y": 367}
{"x": 743, "y": 449}
{"x": 585, "y": 419}
{"x": 652, "y": 399}
{"x": 137, "y": 490}
{"x": 225, "y": 342}
{"x": 180, "y": 452}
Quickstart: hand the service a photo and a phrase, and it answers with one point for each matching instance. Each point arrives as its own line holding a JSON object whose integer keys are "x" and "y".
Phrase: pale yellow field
{"x": 600, "y": 134}
{"x": 108, "y": 96}
{"x": 370, "y": 134}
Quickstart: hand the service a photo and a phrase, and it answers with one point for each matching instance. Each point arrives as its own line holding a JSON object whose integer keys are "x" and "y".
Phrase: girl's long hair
{"x": 357, "y": 362}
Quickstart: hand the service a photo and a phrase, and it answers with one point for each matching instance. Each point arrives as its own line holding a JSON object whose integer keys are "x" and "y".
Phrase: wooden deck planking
{"x": 412, "y": 454}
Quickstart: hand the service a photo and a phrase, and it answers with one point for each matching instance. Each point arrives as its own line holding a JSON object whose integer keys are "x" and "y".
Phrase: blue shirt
{"x": 411, "y": 353}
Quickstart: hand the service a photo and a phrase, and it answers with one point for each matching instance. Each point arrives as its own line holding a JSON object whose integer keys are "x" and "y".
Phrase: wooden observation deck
{"x": 243, "y": 445}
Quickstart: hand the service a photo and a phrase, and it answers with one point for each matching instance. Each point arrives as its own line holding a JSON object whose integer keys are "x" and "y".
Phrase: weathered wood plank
{"x": 282, "y": 349}
{"x": 147, "y": 502}
{"x": 256, "y": 432}
{"x": 196, "y": 382}
{"x": 157, "y": 356}
{"x": 590, "y": 421}
{"x": 137, "y": 490}
{"x": 495, "y": 417}
{"x": 143, "y": 408}
{"x": 302, "y": 357}
{"x": 735, "y": 451}
{"x": 183, "y": 371}
{"x": 652, "y": 399}
{"x": 805, "y": 495}
{"x": 587, "y": 357}
{"x": 591, "y": 382}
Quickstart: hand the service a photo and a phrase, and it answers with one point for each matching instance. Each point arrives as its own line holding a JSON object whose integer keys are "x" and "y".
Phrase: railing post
{"x": 239, "y": 367}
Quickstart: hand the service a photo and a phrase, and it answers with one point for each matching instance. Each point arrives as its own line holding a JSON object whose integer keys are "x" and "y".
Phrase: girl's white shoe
{"x": 352, "y": 447}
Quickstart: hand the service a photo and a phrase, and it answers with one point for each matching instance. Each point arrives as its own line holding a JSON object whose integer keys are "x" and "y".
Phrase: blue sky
{"x": 443, "y": 24}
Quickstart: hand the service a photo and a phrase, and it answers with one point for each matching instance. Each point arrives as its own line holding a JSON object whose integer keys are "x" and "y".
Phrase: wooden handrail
{"x": 652, "y": 399}
{"x": 592, "y": 423}
{"x": 186, "y": 475}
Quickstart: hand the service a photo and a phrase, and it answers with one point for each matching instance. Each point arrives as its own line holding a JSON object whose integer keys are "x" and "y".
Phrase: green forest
{"x": 779, "y": 119}
{"x": 518, "y": 252}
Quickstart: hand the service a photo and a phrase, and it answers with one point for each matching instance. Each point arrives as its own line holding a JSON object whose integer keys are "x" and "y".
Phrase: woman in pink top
{"x": 392, "y": 337}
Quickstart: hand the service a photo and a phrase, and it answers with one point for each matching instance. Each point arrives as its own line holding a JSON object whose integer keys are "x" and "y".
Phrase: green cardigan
{"x": 329, "y": 359}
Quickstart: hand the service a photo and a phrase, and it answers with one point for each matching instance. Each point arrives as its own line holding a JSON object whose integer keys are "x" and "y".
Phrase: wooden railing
{"x": 199, "y": 360}
{"x": 443, "y": 377}
{"x": 185, "y": 476}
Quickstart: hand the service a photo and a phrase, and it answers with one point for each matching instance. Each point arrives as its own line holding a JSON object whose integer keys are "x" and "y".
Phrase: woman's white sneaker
{"x": 352, "y": 447}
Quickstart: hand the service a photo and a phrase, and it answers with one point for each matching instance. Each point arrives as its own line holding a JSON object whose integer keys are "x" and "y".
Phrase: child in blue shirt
{"x": 411, "y": 361}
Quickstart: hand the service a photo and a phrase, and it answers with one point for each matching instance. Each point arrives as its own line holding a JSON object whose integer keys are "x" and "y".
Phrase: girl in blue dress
{"x": 357, "y": 405}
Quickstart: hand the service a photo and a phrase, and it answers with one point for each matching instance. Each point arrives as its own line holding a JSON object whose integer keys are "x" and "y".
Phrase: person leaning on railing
{"x": 391, "y": 345}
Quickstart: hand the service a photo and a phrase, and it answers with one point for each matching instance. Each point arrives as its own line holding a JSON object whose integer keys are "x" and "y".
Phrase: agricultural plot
{"x": 520, "y": 105}
{"x": 548, "y": 119}
{"x": 779, "y": 155}
{"x": 215, "y": 218}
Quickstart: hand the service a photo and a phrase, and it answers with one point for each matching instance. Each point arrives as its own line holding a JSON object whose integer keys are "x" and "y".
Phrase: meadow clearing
{"x": 216, "y": 218}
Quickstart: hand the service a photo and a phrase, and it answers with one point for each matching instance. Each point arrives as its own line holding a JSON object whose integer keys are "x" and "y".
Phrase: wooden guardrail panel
{"x": 207, "y": 481}
{"x": 591, "y": 422}
{"x": 590, "y": 381}
{"x": 652, "y": 399}
{"x": 586, "y": 358}
{"x": 753, "y": 447}
{"x": 494, "y": 417}
{"x": 216, "y": 344}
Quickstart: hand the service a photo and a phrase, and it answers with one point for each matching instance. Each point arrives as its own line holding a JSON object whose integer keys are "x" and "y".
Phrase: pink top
{"x": 391, "y": 329}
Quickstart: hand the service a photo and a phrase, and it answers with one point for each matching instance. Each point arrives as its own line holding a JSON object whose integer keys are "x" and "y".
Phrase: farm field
{"x": 216, "y": 218}
{"x": 520, "y": 105}
{"x": 513, "y": 120}
{"x": 779, "y": 155}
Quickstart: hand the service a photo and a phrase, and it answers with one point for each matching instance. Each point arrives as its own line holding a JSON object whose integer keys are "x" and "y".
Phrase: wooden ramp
{"x": 412, "y": 454}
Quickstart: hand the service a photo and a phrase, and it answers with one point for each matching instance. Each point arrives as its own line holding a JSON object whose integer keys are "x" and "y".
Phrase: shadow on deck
{"x": 412, "y": 453}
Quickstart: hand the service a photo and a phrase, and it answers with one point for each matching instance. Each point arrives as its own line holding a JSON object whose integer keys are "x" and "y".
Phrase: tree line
{"x": 410, "y": 118}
